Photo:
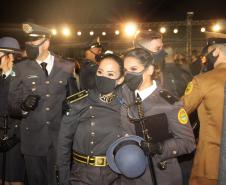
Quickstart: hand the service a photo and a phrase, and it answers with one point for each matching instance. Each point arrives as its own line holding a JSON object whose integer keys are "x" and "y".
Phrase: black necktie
{"x": 43, "y": 65}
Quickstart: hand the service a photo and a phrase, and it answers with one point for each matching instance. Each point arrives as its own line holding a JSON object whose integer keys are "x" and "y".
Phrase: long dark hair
{"x": 146, "y": 59}
{"x": 117, "y": 59}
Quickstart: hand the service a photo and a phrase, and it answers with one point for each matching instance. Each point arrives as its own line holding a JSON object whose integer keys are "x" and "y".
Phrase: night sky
{"x": 107, "y": 11}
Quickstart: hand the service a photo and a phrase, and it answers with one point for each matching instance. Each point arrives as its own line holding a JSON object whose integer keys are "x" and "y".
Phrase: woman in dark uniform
{"x": 10, "y": 154}
{"x": 165, "y": 123}
{"x": 91, "y": 127}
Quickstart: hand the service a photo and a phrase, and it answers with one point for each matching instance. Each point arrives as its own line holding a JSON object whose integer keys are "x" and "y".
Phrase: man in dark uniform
{"x": 89, "y": 65}
{"x": 14, "y": 169}
{"x": 36, "y": 95}
{"x": 152, "y": 42}
{"x": 175, "y": 78}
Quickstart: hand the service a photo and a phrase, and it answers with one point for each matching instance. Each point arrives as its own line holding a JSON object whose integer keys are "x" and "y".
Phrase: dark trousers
{"x": 41, "y": 170}
{"x": 83, "y": 174}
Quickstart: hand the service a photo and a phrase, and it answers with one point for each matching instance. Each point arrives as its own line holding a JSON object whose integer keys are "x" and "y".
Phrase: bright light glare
{"x": 203, "y": 29}
{"x": 117, "y": 32}
{"x": 163, "y": 30}
{"x": 130, "y": 29}
{"x": 79, "y": 33}
{"x": 175, "y": 31}
{"x": 54, "y": 32}
{"x": 216, "y": 27}
{"x": 91, "y": 33}
{"x": 66, "y": 32}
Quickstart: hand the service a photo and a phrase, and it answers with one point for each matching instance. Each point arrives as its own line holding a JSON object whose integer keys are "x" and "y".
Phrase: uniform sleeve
{"x": 15, "y": 96}
{"x": 192, "y": 96}
{"x": 65, "y": 140}
{"x": 182, "y": 141}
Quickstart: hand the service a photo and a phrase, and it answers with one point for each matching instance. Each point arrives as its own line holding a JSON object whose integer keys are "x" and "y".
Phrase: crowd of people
{"x": 110, "y": 119}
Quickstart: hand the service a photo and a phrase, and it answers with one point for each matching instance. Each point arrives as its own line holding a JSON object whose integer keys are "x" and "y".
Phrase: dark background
{"x": 84, "y": 14}
{"x": 107, "y": 11}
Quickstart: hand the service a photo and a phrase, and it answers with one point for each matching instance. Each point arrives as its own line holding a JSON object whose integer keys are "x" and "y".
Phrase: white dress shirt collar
{"x": 7, "y": 73}
{"x": 147, "y": 92}
{"x": 50, "y": 61}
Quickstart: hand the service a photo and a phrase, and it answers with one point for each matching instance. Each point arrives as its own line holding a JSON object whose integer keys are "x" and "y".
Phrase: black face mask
{"x": 159, "y": 57}
{"x": 98, "y": 57}
{"x": 133, "y": 80}
{"x": 210, "y": 61}
{"x": 105, "y": 85}
{"x": 33, "y": 50}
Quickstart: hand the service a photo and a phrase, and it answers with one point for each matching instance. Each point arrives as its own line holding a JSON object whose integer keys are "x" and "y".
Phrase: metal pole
{"x": 222, "y": 162}
{"x": 189, "y": 32}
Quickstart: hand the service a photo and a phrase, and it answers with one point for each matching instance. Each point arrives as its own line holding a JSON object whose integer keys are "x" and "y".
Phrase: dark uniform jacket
{"x": 206, "y": 93}
{"x": 175, "y": 79}
{"x": 12, "y": 124}
{"x": 40, "y": 128}
{"x": 91, "y": 127}
{"x": 181, "y": 141}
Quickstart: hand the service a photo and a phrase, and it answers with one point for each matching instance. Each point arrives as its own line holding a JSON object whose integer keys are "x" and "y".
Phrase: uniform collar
{"x": 94, "y": 95}
{"x": 147, "y": 92}
{"x": 46, "y": 60}
{"x": 7, "y": 73}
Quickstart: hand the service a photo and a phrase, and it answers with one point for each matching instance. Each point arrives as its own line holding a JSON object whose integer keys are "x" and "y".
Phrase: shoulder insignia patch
{"x": 77, "y": 96}
{"x": 182, "y": 116}
{"x": 168, "y": 97}
{"x": 189, "y": 88}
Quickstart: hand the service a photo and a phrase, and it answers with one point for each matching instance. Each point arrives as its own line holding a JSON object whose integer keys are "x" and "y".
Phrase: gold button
{"x": 47, "y": 108}
{"x": 92, "y": 133}
{"x": 33, "y": 83}
{"x": 33, "y": 89}
{"x": 92, "y": 123}
{"x": 92, "y": 116}
{"x": 91, "y": 142}
{"x": 90, "y": 107}
{"x": 47, "y": 82}
{"x": 60, "y": 81}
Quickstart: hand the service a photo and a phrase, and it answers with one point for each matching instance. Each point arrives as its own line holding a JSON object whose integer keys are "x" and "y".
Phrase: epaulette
{"x": 166, "y": 95}
{"x": 77, "y": 96}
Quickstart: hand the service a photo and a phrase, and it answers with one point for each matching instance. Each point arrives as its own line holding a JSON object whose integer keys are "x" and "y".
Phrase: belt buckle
{"x": 100, "y": 161}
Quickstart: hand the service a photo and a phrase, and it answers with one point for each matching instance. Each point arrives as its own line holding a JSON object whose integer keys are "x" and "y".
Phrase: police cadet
{"x": 206, "y": 94}
{"x": 152, "y": 42}
{"x": 14, "y": 169}
{"x": 36, "y": 94}
{"x": 92, "y": 125}
{"x": 154, "y": 114}
{"x": 89, "y": 65}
